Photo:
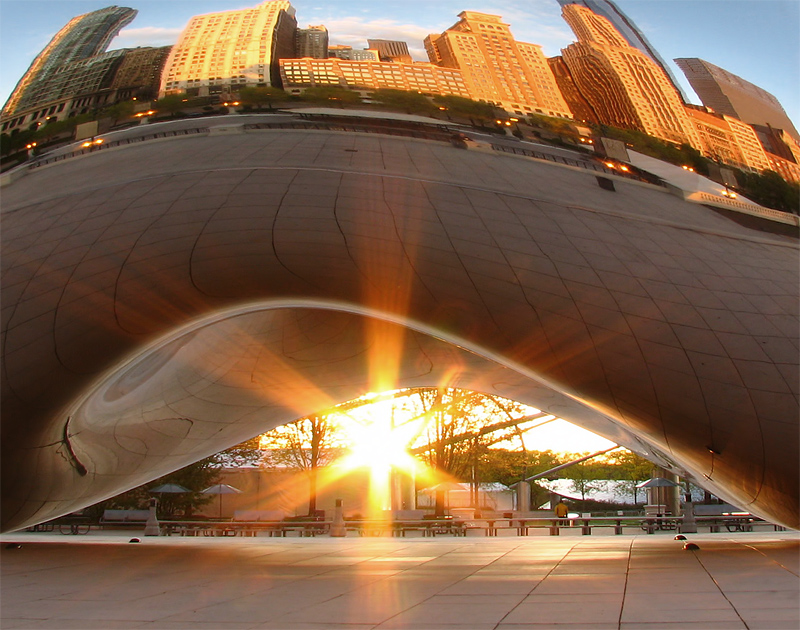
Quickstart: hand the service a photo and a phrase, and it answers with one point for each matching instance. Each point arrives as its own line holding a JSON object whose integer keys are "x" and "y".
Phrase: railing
{"x": 521, "y": 526}
{"x": 116, "y": 143}
{"x": 585, "y": 164}
{"x": 422, "y": 134}
{"x": 430, "y": 527}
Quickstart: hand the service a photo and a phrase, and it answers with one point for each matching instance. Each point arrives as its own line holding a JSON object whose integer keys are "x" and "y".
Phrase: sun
{"x": 380, "y": 445}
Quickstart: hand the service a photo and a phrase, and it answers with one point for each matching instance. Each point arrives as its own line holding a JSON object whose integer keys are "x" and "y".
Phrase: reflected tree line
{"x": 460, "y": 435}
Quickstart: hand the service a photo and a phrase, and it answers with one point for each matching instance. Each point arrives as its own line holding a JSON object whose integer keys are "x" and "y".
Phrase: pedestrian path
{"x": 734, "y": 581}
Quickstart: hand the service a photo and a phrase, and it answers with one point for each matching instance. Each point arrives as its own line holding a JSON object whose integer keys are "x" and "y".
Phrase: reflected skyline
{"x": 676, "y": 29}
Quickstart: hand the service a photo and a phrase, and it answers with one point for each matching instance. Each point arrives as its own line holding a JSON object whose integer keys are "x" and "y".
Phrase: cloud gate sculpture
{"x": 168, "y": 299}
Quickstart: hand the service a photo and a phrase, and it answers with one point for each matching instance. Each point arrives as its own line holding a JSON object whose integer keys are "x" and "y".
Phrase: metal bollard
{"x": 337, "y": 527}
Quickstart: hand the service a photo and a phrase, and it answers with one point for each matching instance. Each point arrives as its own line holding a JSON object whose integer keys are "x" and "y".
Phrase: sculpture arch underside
{"x": 166, "y": 300}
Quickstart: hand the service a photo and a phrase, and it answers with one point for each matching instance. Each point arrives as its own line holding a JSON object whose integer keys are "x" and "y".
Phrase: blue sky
{"x": 757, "y": 39}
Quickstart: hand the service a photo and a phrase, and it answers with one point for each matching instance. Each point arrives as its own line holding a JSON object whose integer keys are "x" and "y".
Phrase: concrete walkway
{"x": 102, "y": 581}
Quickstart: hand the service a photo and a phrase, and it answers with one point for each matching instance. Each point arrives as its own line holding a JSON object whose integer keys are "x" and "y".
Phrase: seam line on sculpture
{"x": 76, "y": 463}
{"x": 650, "y": 220}
{"x": 458, "y": 256}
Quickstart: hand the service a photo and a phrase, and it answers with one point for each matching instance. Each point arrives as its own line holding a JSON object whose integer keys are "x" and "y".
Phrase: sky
{"x": 755, "y": 39}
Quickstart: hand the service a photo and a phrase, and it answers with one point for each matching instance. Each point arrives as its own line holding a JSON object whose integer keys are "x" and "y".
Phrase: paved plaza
{"x": 102, "y": 581}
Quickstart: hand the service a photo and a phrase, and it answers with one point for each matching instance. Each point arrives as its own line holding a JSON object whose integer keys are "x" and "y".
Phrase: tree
{"x": 172, "y": 104}
{"x": 460, "y": 425}
{"x": 12, "y": 143}
{"x": 258, "y": 96}
{"x": 305, "y": 445}
{"x": 123, "y": 109}
{"x": 195, "y": 477}
{"x": 584, "y": 479}
{"x": 631, "y": 469}
{"x": 466, "y": 107}
{"x": 509, "y": 467}
{"x": 330, "y": 95}
{"x": 771, "y": 190}
{"x": 404, "y": 100}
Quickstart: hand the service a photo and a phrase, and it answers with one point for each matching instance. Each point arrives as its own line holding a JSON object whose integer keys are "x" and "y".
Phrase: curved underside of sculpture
{"x": 167, "y": 300}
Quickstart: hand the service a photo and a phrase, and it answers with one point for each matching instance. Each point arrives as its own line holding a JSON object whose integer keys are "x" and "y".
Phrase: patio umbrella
{"x": 169, "y": 488}
{"x": 220, "y": 489}
{"x": 657, "y": 482}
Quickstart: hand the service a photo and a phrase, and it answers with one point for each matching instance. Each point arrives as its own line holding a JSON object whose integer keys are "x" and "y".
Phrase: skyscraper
{"x": 84, "y": 37}
{"x": 348, "y": 53}
{"x": 624, "y": 87}
{"x": 312, "y": 42}
{"x": 390, "y": 50}
{"x": 497, "y": 68}
{"x": 629, "y": 31}
{"x": 728, "y": 94}
{"x": 426, "y": 78}
{"x": 230, "y": 50}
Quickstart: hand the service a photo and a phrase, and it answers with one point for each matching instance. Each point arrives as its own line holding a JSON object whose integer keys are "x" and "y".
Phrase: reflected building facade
{"x": 629, "y": 31}
{"x": 728, "y": 94}
{"x": 83, "y": 37}
{"x": 391, "y": 50}
{"x": 497, "y": 68}
{"x": 426, "y": 78}
{"x": 623, "y": 85}
{"x": 222, "y": 52}
{"x": 312, "y": 42}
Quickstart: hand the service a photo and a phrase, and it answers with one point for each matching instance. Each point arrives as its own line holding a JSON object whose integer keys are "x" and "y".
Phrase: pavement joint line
{"x": 782, "y": 566}
{"x": 722, "y": 592}
{"x": 625, "y": 585}
{"x": 554, "y": 567}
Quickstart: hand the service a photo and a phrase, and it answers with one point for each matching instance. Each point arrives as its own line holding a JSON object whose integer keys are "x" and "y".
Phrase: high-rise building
{"x": 83, "y": 38}
{"x": 782, "y": 149}
{"x": 728, "y": 140}
{"x": 298, "y": 74}
{"x": 390, "y": 50}
{"x": 497, "y": 68}
{"x": 312, "y": 42}
{"x": 728, "y": 94}
{"x": 348, "y": 53}
{"x": 220, "y": 52}
{"x": 579, "y": 106}
{"x": 91, "y": 84}
{"x": 139, "y": 72}
{"x": 626, "y": 28}
{"x": 623, "y": 85}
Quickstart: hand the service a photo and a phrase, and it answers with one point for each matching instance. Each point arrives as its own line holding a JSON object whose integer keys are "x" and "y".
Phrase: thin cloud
{"x": 354, "y": 31}
{"x": 146, "y": 36}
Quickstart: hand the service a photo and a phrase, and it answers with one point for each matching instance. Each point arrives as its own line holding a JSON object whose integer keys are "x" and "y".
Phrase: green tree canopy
{"x": 771, "y": 190}
{"x": 404, "y": 100}
{"x": 465, "y": 107}
{"x": 330, "y": 95}
{"x": 195, "y": 477}
{"x": 260, "y": 96}
{"x": 172, "y": 104}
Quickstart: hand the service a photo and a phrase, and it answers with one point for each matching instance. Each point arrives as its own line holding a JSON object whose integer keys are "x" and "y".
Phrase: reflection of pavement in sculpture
{"x": 166, "y": 300}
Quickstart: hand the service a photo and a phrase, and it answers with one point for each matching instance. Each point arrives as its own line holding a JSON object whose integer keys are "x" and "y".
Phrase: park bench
{"x": 250, "y": 522}
{"x": 123, "y": 518}
{"x": 725, "y": 515}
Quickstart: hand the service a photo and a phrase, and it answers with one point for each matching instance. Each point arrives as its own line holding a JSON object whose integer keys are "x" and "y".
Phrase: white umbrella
{"x": 169, "y": 488}
{"x": 220, "y": 489}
